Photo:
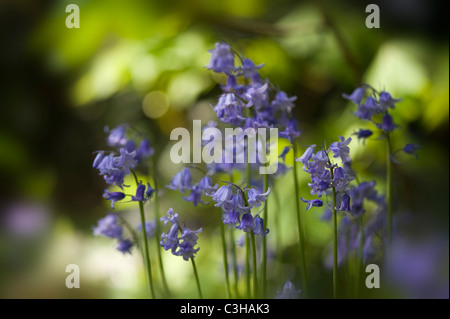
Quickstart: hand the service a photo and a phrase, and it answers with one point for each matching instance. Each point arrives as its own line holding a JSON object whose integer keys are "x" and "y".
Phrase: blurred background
{"x": 143, "y": 63}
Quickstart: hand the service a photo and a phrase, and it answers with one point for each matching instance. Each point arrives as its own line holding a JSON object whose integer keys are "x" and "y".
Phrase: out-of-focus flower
{"x": 289, "y": 292}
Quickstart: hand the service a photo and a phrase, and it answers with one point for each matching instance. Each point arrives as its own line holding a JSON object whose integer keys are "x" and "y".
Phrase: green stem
{"x": 247, "y": 264}
{"x": 235, "y": 265}
{"x": 146, "y": 251}
{"x": 225, "y": 259}
{"x": 196, "y": 278}
{"x": 158, "y": 229}
{"x": 360, "y": 254}
{"x": 389, "y": 185}
{"x": 299, "y": 223}
{"x": 335, "y": 252}
{"x": 264, "y": 241}
{"x": 255, "y": 277}
{"x": 234, "y": 254}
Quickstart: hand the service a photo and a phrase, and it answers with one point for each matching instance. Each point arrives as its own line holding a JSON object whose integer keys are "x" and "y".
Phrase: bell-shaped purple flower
{"x": 345, "y": 204}
{"x": 386, "y": 100}
{"x": 113, "y": 196}
{"x": 247, "y": 224}
{"x": 255, "y": 197}
{"x": 356, "y": 96}
{"x": 170, "y": 240}
{"x": 387, "y": 124}
{"x": 341, "y": 149}
{"x": 259, "y": 228}
{"x": 181, "y": 181}
{"x": 312, "y": 203}
{"x": 171, "y": 217}
{"x": 222, "y": 59}
{"x": 109, "y": 227}
{"x": 124, "y": 246}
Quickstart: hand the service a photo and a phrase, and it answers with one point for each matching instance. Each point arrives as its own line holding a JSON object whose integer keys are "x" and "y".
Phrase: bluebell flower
{"x": 124, "y": 246}
{"x": 186, "y": 251}
{"x": 114, "y": 177}
{"x": 291, "y": 131}
{"x": 149, "y": 192}
{"x": 236, "y": 202}
{"x": 341, "y": 179}
{"x": 190, "y": 236}
{"x": 387, "y": 124}
{"x": 98, "y": 159}
{"x": 113, "y": 196}
{"x": 247, "y": 224}
{"x": 231, "y": 217}
{"x": 386, "y": 100}
{"x": 341, "y": 149}
{"x": 126, "y": 161}
{"x": 356, "y": 96}
{"x": 345, "y": 204}
{"x": 150, "y": 228}
{"x": 222, "y": 195}
{"x": 145, "y": 150}
{"x": 411, "y": 149}
{"x": 255, "y": 197}
{"x": 229, "y": 109}
{"x": 363, "y": 134}
{"x": 250, "y": 70}
{"x": 195, "y": 196}
{"x": 170, "y": 240}
{"x": 171, "y": 217}
{"x": 259, "y": 228}
{"x": 256, "y": 95}
{"x": 318, "y": 186}
{"x": 222, "y": 59}
{"x": 289, "y": 292}
{"x": 206, "y": 185}
{"x": 307, "y": 155}
{"x": 312, "y": 203}
{"x": 109, "y": 227}
{"x": 116, "y": 136}
{"x": 181, "y": 181}
{"x": 283, "y": 102}
{"x": 140, "y": 193}
{"x": 284, "y": 152}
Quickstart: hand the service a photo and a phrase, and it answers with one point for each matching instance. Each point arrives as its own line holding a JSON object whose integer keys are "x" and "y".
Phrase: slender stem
{"x": 235, "y": 265}
{"x": 299, "y": 224}
{"x": 255, "y": 277}
{"x": 360, "y": 254}
{"x": 234, "y": 254}
{"x": 196, "y": 278}
{"x": 335, "y": 252}
{"x": 158, "y": 229}
{"x": 146, "y": 251}
{"x": 389, "y": 185}
{"x": 132, "y": 232}
{"x": 247, "y": 264}
{"x": 264, "y": 241}
{"x": 225, "y": 259}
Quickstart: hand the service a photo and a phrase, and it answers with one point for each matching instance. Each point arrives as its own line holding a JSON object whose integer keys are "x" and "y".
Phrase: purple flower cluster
{"x": 182, "y": 245}
{"x": 109, "y": 227}
{"x": 376, "y": 104}
{"x": 129, "y": 152}
{"x": 325, "y": 175}
{"x": 237, "y": 203}
{"x": 182, "y": 181}
{"x": 114, "y": 166}
{"x": 248, "y": 100}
